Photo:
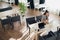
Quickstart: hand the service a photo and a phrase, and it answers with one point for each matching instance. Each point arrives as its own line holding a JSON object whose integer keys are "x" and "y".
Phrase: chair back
{"x": 30, "y": 20}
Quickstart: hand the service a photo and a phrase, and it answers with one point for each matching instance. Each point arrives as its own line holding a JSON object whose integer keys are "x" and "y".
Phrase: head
{"x": 46, "y": 13}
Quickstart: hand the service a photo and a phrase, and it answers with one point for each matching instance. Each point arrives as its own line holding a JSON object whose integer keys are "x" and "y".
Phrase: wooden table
{"x": 44, "y": 31}
{"x": 34, "y": 28}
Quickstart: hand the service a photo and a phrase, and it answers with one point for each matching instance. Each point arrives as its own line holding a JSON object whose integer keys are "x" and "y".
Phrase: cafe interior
{"x": 29, "y": 19}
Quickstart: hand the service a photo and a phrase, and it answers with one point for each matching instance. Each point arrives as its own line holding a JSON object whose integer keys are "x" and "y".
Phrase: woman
{"x": 44, "y": 19}
{"x": 45, "y": 16}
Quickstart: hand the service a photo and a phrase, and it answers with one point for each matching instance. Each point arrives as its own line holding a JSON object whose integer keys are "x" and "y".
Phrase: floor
{"x": 9, "y": 33}
{"x": 30, "y": 12}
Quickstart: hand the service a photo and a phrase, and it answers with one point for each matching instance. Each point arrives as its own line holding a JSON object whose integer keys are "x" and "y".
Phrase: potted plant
{"x": 22, "y": 11}
{"x": 22, "y": 8}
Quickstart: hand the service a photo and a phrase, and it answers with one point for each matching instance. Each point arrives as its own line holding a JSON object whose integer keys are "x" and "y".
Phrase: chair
{"x": 11, "y": 24}
{"x": 39, "y": 6}
{"x": 58, "y": 33}
{"x": 4, "y": 22}
{"x": 30, "y": 21}
{"x": 5, "y": 9}
{"x": 15, "y": 19}
{"x": 28, "y": 4}
{"x": 49, "y": 36}
{"x": 38, "y": 18}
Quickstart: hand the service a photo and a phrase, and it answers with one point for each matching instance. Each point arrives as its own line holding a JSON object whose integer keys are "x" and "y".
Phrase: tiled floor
{"x": 54, "y": 19}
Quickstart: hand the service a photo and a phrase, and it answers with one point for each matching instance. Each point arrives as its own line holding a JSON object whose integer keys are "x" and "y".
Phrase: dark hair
{"x": 46, "y": 12}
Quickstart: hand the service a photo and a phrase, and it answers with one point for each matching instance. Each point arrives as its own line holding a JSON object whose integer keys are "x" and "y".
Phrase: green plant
{"x": 22, "y": 7}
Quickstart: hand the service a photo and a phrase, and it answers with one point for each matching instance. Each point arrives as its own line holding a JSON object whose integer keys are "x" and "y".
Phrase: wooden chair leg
{"x": 12, "y": 25}
{"x": 3, "y": 27}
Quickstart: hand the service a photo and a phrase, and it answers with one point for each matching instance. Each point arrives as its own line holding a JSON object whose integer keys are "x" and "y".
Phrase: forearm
{"x": 46, "y": 21}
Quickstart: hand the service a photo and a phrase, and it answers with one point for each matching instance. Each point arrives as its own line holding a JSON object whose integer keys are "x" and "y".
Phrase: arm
{"x": 46, "y": 21}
